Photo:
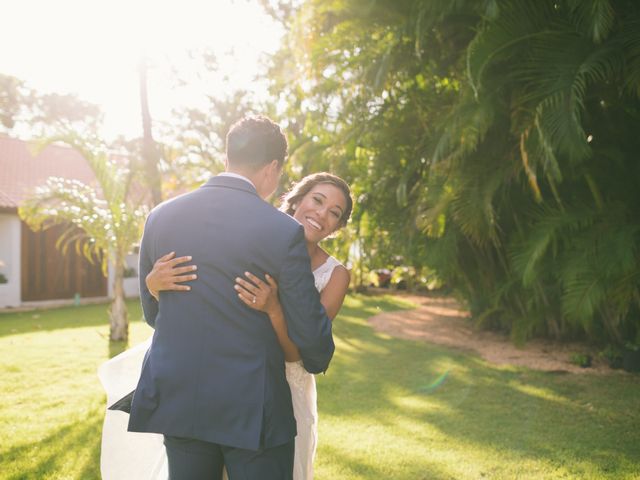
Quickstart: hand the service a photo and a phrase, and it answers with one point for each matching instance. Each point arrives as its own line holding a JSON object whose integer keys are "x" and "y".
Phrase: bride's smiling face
{"x": 320, "y": 211}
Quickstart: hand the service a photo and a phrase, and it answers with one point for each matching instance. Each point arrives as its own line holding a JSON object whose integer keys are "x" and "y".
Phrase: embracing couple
{"x": 241, "y": 298}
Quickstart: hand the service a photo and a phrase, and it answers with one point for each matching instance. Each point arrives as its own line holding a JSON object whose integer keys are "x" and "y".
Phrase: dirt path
{"x": 443, "y": 322}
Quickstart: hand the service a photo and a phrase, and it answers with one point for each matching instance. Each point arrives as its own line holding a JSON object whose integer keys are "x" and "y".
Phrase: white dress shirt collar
{"x": 236, "y": 175}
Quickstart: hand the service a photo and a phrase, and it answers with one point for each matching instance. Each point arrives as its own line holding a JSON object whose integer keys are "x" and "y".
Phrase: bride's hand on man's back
{"x": 167, "y": 275}
{"x": 259, "y": 295}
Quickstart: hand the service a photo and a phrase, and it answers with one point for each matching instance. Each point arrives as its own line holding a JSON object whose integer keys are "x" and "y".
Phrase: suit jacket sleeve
{"x": 308, "y": 325}
{"x": 146, "y": 260}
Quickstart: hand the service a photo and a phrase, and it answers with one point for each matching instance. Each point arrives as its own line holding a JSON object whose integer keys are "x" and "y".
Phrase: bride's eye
{"x": 317, "y": 200}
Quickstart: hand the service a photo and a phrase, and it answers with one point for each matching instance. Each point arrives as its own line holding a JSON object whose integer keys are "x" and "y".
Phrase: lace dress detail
{"x": 323, "y": 273}
{"x": 141, "y": 456}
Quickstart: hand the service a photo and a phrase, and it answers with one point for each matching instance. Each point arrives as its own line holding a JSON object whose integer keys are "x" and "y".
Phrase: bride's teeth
{"x": 313, "y": 224}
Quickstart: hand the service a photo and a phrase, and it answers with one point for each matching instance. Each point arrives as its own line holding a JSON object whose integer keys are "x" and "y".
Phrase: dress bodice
{"x": 322, "y": 274}
{"x": 297, "y": 376}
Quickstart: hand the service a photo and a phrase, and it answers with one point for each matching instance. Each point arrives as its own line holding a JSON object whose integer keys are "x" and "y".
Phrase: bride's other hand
{"x": 167, "y": 275}
{"x": 257, "y": 294}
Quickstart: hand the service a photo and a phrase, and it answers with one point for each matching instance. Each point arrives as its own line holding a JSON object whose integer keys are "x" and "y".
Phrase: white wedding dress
{"x": 141, "y": 456}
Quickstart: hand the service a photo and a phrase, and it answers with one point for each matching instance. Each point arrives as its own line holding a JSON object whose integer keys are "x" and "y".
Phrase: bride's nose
{"x": 323, "y": 211}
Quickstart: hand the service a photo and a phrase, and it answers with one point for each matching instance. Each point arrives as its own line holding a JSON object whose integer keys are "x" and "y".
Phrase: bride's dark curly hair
{"x": 304, "y": 186}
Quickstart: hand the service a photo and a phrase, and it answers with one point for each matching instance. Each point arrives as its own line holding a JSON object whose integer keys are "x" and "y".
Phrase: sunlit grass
{"x": 389, "y": 408}
{"x": 52, "y": 403}
{"x": 397, "y": 409}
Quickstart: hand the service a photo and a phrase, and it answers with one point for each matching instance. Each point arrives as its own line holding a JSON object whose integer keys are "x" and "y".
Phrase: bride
{"x": 322, "y": 203}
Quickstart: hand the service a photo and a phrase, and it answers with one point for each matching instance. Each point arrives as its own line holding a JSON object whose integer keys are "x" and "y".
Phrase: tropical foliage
{"x": 103, "y": 221}
{"x": 27, "y": 112}
{"x": 493, "y": 141}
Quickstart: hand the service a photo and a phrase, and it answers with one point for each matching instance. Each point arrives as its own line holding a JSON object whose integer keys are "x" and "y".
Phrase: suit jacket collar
{"x": 231, "y": 182}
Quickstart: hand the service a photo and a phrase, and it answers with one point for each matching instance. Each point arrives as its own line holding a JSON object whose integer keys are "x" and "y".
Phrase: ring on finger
{"x": 253, "y": 300}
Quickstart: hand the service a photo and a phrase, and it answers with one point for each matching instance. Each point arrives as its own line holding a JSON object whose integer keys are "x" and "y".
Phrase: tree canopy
{"x": 494, "y": 142}
{"x": 489, "y": 144}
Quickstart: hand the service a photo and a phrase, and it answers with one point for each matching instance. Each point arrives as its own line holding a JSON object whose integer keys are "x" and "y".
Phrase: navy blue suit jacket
{"x": 215, "y": 371}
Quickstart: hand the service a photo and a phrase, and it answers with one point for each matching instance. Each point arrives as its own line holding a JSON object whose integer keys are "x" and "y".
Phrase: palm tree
{"x": 566, "y": 76}
{"x": 101, "y": 224}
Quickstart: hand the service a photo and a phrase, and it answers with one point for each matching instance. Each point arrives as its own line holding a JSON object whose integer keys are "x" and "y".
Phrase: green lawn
{"x": 389, "y": 408}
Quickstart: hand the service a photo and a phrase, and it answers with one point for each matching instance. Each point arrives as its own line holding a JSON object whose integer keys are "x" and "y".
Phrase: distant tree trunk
{"x": 118, "y": 313}
{"x": 149, "y": 149}
{"x": 360, "y": 287}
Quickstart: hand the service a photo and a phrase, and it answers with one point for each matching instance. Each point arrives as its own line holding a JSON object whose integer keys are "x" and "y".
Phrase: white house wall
{"x": 10, "y": 259}
{"x": 131, "y": 286}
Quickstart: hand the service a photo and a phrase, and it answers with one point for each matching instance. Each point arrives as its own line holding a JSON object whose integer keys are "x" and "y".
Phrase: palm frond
{"x": 548, "y": 226}
{"x": 628, "y": 39}
{"x": 595, "y": 17}
{"x": 107, "y": 222}
{"x": 505, "y": 37}
{"x": 464, "y": 129}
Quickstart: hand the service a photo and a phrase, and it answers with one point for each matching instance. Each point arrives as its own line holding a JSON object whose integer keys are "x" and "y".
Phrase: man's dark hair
{"x": 254, "y": 142}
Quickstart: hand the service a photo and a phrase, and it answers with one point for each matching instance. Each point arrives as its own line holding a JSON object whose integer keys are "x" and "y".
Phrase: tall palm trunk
{"x": 149, "y": 150}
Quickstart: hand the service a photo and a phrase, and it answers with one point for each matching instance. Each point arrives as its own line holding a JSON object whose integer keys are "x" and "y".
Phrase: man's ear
{"x": 275, "y": 166}
{"x": 272, "y": 169}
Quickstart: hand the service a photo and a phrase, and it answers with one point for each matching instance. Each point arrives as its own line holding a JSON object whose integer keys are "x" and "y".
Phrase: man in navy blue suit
{"x": 213, "y": 381}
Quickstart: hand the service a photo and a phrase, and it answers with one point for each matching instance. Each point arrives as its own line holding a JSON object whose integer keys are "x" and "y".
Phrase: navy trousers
{"x": 191, "y": 459}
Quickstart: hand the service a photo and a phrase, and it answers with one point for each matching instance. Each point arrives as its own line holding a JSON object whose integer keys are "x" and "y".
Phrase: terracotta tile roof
{"x": 22, "y": 170}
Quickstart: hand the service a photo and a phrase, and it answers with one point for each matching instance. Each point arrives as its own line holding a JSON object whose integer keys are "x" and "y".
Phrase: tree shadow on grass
{"x": 61, "y": 318}
{"x": 59, "y": 452}
{"x": 574, "y": 422}
{"x": 91, "y": 467}
{"x": 344, "y": 461}
{"x": 565, "y": 420}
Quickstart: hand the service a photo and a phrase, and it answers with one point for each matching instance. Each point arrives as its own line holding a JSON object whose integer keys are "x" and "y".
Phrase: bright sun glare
{"x": 92, "y": 48}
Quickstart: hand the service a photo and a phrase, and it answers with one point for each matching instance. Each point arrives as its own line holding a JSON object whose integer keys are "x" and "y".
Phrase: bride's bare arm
{"x": 167, "y": 275}
{"x": 263, "y": 297}
{"x": 332, "y": 296}
{"x": 266, "y": 300}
